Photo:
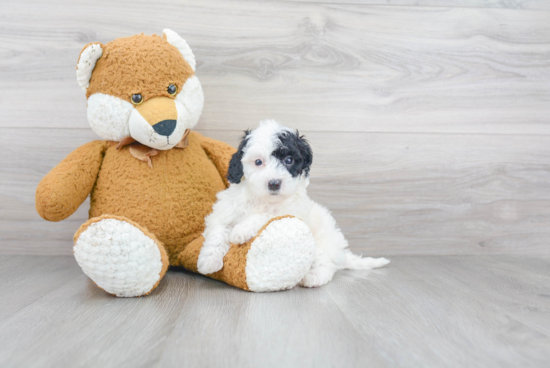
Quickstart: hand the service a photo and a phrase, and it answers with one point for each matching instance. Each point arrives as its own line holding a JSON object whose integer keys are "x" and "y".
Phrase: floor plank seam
{"x": 358, "y": 331}
{"x": 37, "y": 300}
{"x": 422, "y": 7}
{"x": 487, "y": 299}
{"x": 376, "y": 132}
{"x": 172, "y": 330}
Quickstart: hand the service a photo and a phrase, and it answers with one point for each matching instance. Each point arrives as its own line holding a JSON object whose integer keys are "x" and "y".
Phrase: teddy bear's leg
{"x": 121, "y": 257}
{"x": 276, "y": 259}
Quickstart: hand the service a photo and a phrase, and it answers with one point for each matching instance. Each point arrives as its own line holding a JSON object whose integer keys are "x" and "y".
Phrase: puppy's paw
{"x": 242, "y": 233}
{"x": 209, "y": 262}
{"x": 317, "y": 277}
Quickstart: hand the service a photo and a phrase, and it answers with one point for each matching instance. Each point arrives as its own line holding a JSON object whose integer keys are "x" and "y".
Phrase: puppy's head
{"x": 273, "y": 161}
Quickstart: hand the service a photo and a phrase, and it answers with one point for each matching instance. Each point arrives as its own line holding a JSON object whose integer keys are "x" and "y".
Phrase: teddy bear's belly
{"x": 171, "y": 200}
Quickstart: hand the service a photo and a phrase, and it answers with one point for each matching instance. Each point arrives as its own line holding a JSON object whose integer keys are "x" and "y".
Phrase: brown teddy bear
{"x": 152, "y": 180}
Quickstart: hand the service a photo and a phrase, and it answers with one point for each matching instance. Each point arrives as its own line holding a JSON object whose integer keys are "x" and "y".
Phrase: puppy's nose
{"x": 274, "y": 184}
{"x": 165, "y": 127}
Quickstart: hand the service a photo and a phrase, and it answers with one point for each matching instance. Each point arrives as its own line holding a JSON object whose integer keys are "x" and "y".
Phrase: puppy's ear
{"x": 235, "y": 171}
{"x": 305, "y": 151}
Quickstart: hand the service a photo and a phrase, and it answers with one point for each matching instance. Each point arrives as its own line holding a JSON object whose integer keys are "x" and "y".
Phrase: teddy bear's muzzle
{"x": 159, "y": 123}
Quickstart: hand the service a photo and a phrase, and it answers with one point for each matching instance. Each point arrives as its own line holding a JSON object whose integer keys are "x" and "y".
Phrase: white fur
{"x": 242, "y": 209}
{"x": 113, "y": 118}
{"x": 108, "y": 116}
{"x": 119, "y": 257}
{"x": 183, "y": 47}
{"x": 86, "y": 64}
{"x": 192, "y": 98}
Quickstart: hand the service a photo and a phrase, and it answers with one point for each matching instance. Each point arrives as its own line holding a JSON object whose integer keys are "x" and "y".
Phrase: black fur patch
{"x": 295, "y": 146}
{"x": 235, "y": 171}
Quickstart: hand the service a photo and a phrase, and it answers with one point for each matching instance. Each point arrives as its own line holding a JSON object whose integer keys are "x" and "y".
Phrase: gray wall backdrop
{"x": 430, "y": 120}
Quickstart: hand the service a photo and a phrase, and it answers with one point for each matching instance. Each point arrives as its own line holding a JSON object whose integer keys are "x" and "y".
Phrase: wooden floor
{"x": 430, "y": 124}
{"x": 421, "y": 311}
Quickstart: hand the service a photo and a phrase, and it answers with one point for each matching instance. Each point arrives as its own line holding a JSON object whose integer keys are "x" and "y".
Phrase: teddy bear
{"x": 152, "y": 180}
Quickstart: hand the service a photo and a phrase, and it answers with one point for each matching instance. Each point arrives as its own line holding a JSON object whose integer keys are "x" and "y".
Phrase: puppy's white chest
{"x": 274, "y": 209}
{"x": 268, "y": 208}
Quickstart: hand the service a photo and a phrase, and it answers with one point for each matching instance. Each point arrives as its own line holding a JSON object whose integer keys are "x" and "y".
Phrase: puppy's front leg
{"x": 216, "y": 238}
{"x": 248, "y": 228}
{"x": 214, "y": 248}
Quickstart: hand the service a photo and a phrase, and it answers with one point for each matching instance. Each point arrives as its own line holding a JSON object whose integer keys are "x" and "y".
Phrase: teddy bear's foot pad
{"x": 280, "y": 256}
{"x": 119, "y": 257}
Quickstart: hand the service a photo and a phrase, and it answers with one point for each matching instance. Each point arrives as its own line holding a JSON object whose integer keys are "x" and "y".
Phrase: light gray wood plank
{"x": 536, "y": 265}
{"x": 40, "y": 237}
{"x": 422, "y": 313}
{"x": 190, "y": 321}
{"x": 506, "y": 4}
{"x": 318, "y": 66}
{"x": 508, "y": 283}
{"x": 398, "y": 194}
{"x": 222, "y": 326}
{"x": 79, "y": 325}
{"x": 390, "y": 193}
{"x": 26, "y": 279}
{"x": 461, "y": 311}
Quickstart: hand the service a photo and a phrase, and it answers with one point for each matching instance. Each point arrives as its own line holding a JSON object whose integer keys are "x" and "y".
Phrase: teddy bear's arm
{"x": 220, "y": 153}
{"x": 68, "y": 184}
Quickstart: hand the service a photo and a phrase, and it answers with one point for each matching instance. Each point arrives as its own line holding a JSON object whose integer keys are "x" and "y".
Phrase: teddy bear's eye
{"x": 172, "y": 90}
{"x": 137, "y": 99}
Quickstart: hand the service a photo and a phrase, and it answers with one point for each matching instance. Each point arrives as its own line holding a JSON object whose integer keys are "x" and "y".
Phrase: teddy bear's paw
{"x": 317, "y": 277}
{"x": 119, "y": 257}
{"x": 209, "y": 261}
{"x": 280, "y": 256}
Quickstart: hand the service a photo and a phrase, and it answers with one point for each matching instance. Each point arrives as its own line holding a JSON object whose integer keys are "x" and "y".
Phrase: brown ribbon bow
{"x": 144, "y": 153}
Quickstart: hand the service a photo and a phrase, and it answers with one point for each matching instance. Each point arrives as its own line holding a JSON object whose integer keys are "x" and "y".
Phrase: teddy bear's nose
{"x": 165, "y": 127}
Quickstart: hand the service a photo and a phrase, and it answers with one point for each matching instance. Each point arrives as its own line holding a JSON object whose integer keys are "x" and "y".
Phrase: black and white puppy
{"x": 269, "y": 175}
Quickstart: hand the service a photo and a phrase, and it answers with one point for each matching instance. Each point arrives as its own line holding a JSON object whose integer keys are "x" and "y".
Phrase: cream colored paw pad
{"x": 280, "y": 256}
{"x": 119, "y": 257}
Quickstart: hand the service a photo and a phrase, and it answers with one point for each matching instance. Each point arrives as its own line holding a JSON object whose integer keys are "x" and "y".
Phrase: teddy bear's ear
{"x": 175, "y": 40}
{"x": 86, "y": 63}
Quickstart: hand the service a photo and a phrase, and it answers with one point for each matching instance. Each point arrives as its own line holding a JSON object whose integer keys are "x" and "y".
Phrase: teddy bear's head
{"x": 143, "y": 87}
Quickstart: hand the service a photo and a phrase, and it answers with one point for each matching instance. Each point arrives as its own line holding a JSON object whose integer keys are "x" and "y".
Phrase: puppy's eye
{"x": 137, "y": 99}
{"x": 258, "y": 162}
{"x": 172, "y": 90}
{"x": 288, "y": 161}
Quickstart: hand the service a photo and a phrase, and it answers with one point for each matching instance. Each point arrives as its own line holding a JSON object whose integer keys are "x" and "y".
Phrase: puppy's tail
{"x": 356, "y": 262}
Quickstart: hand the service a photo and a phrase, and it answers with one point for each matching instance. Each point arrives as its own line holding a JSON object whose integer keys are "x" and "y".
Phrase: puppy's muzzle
{"x": 274, "y": 185}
